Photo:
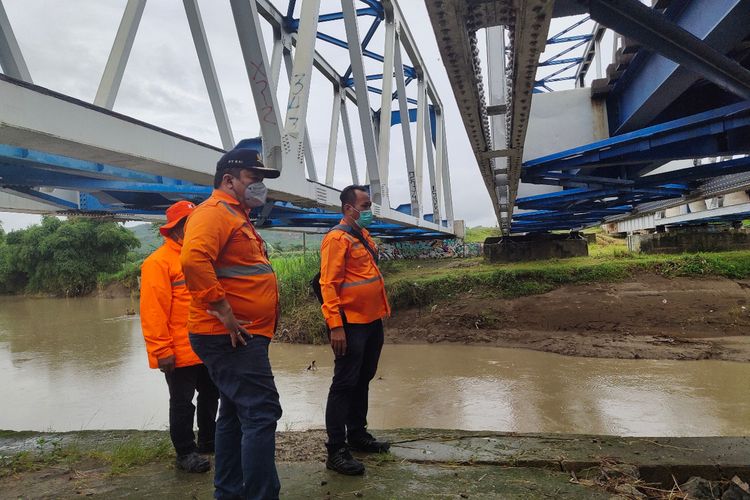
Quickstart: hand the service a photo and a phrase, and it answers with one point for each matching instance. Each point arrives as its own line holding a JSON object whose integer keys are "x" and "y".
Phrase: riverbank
{"x": 422, "y": 464}
{"x": 610, "y": 304}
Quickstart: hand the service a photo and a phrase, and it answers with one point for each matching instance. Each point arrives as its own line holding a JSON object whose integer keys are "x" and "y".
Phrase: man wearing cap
{"x": 164, "y": 314}
{"x": 233, "y": 315}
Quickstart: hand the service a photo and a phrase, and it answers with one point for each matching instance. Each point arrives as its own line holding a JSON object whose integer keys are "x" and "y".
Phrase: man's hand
{"x": 223, "y": 311}
{"x": 338, "y": 341}
{"x": 166, "y": 365}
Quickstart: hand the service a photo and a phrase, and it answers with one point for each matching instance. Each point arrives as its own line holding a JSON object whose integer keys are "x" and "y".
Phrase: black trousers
{"x": 346, "y": 410}
{"x": 183, "y": 382}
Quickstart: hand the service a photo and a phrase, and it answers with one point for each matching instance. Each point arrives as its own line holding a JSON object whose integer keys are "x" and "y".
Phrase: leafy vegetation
{"x": 301, "y": 319}
{"x": 62, "y": 257}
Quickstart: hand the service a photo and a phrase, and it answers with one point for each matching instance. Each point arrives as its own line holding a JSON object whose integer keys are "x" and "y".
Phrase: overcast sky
{"x": 66, "y": 44}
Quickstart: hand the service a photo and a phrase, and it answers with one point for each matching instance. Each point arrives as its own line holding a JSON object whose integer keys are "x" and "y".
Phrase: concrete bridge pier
{"x": 691, "y": 239}
{"x": 539, "y": 246}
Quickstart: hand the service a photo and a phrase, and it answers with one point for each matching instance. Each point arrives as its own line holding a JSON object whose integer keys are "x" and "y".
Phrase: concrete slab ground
{"x": 422, "y": 464}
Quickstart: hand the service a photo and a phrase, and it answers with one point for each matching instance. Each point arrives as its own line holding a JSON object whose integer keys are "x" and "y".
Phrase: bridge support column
{"x": 535, "y": 247}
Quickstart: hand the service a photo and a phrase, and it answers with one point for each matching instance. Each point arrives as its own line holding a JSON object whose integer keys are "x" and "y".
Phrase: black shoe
{"x": 192, "y": 462}
{"x": 343, "y": 462}
{"x": 206, "y": 448}
{"x": 368, "y": 444}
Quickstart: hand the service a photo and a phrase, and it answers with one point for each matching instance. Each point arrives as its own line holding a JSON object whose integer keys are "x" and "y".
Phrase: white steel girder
{"x": 378, "y": 192}
{"x": 11, "y": 57}
{"x": 209, "y": 72}
{"x": 403, "y": 109}
{"x": 118, "y": 56}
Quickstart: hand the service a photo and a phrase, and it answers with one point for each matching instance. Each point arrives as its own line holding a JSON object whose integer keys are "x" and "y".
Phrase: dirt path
{"x": 648, "y": 317}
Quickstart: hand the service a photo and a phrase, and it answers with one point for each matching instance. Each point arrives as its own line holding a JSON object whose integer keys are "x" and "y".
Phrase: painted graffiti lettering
{"x": 413, "y": 187}
{"x": 431, "y": 249}
{"x": 295, "y": 99}
{"x": 260, "y": 80}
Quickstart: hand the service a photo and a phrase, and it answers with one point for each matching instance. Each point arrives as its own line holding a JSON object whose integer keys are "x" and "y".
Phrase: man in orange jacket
{"x": 233, "y": 315}
{"x": 354, "y": 305}
{"x": 164, "y": 313}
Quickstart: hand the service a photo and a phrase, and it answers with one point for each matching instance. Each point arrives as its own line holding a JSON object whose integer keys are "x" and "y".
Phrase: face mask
{"x": 255, "y": 194}
{"x": 365, "y": 218}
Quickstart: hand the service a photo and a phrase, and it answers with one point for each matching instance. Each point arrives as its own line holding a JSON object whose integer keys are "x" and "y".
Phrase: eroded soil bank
{"x": 646, "y": 316}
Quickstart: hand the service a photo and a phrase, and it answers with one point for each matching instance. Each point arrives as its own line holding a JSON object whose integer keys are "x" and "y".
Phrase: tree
{"x": 64, "y": 258}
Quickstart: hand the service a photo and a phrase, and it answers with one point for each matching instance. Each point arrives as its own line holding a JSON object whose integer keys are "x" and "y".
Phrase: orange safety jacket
{"x": 223, "y": 256}
{"x": 165, "y": 301}
{"x": 350, "y": 280}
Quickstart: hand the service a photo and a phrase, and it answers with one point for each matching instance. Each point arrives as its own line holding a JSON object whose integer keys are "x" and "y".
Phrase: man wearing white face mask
{"x": 233, "y": 315}
{"x": 354, "y": 305}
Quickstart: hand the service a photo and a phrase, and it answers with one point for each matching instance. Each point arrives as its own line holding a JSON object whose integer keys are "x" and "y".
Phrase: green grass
{"x": 479, "y": 234}
{"x": 120, "y": 457}
{"x": 301, "y": 318}
{"x": 432, "y": 282}
{"x": 137, "y": 451}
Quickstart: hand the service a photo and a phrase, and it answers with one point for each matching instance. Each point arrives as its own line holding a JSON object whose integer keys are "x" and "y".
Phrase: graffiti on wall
{"x": 429, "y": 249}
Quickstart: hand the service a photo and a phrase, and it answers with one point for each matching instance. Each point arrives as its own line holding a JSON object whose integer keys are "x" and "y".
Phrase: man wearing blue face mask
{"x": 354, "y": 305}
{"x": 233, "y": 314}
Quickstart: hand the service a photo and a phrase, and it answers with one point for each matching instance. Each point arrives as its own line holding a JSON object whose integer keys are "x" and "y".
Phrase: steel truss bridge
{"x": 660, "y": 138}
{"x": 62, "y": 155}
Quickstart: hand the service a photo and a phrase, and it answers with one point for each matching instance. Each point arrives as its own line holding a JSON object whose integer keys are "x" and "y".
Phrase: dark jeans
{"x": 346, "y": 411}
{"x": 183, "y": 382}
{"x": 246, "y": 429}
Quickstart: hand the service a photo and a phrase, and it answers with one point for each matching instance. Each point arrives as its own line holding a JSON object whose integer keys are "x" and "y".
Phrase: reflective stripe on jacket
{"x": 350, "y": 280}
{"x": 224, "y": 257}
{"x": 165, "y": 301}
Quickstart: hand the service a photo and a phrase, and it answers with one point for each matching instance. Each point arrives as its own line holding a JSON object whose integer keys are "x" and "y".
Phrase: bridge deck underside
{"x": 660, "y": 111}
{"x": 604, "y": 180}
{"x": 651, "y": 93}
{"x": 112, "y": 165}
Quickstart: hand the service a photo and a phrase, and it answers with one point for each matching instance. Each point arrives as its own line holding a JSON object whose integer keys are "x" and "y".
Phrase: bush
{"x": 63, "y": 258}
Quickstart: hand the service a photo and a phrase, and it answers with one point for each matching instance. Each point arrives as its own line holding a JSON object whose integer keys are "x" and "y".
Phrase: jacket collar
{"x": 228, "y": 198}
{"x": 355, "y": 227}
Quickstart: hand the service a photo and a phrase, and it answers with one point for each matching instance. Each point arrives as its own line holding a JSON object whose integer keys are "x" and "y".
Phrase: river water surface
{"x": 73, "y": 364}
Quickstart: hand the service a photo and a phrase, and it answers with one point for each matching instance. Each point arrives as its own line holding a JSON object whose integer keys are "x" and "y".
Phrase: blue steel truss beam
{"x": 634, "y": 20}
{"x": 341, "y": 43}
{"x": 49, "y": 161}
{"x": 652, "y": 82}
{"x": 558, "y": 38}
{"x": 293, "y": 24}
{"x": 27, "y": 192}
{"x": 116, "y": 191}
{"x": 13, "y": 175}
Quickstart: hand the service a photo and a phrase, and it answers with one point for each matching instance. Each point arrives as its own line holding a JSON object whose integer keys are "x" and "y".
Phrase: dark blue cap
{"x": 249, "y": 159}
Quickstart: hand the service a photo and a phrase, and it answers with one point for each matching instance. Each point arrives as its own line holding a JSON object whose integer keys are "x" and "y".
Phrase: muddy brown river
{"x": 73, "y": 364}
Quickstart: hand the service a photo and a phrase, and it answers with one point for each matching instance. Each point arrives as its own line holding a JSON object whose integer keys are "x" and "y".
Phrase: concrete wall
{"x": 689, "y": 241}
{"x": 559, "y": 121}
{"x": 519, "y": 250}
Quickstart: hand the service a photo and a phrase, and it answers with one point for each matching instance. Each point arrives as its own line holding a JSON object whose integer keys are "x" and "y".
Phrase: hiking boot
{"x": 368, "y": 444}
{"x": 192, "y": 462}
{"x": 343, "y": 462}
